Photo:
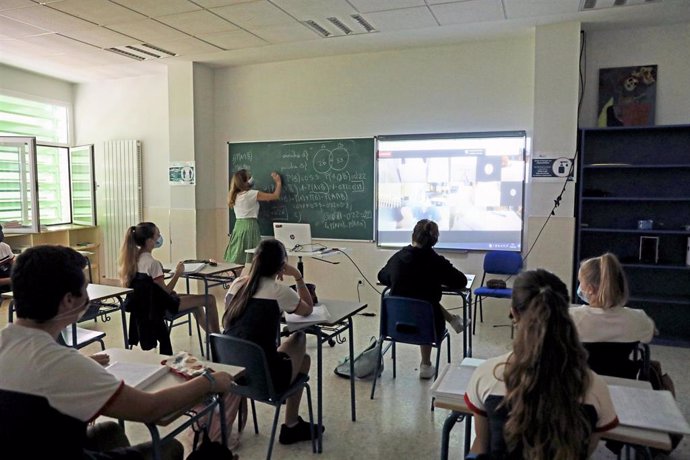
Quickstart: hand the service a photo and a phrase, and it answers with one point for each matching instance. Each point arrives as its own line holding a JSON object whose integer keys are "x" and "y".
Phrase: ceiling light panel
{"x": 155, "y": 8}
{"x": 198, "y": 22}
{"x": 101, "y": 12}
{"x": 367, "y": 6}
{"x": 468, "y": 12}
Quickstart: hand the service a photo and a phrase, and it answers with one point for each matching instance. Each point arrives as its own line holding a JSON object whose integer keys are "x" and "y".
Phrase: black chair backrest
{"x": 613, "y": 358}
{"x": 256, "y": 382}
{"x": 36, "y": 430}
{"x": 408, "y": 320}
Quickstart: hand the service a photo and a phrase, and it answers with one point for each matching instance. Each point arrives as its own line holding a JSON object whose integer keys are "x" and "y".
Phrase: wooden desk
{"x": 166, "y": 381}
{"x": 97, "y": 293}
{"x": 341, "y": 313}
{"x": 211, "y": 276}
{"x": 626, "y": 434}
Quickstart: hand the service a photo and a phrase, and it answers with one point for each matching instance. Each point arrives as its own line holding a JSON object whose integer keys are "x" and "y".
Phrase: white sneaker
{"x": 426, "y": 371}
{"x": 457, "y": 324}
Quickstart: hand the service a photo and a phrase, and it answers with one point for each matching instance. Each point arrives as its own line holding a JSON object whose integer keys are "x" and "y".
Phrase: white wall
{"x": 668, "y": 47}
{"x": 479, "y": 86}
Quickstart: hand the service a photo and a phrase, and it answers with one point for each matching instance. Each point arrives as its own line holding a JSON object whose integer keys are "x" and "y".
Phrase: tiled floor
{"x": 398, "y": 423}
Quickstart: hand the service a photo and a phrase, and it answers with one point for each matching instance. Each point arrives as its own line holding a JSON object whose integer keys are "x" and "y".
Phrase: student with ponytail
{"x": 136, "y": 260}
{"x": 606, "y": 319}
{"x": 540, "y": 401}
{"x": 249, "y": 317}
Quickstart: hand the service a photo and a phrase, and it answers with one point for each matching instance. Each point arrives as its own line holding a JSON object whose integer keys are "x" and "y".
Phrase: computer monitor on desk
{"x": 295, "y": 237}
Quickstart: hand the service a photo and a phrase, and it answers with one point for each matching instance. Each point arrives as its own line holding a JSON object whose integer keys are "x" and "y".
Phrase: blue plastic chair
{"x": 496, "y": 263}
{"x": 407, "y": 320}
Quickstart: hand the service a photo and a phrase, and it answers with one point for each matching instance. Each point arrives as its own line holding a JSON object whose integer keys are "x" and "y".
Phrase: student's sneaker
{"x": 300, "y": 432}
{"x": 457, "y": 324}
{"x": 426, "y": 371}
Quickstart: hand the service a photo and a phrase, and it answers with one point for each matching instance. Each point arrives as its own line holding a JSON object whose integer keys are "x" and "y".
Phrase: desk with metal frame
{"x": 341, "y": 313}
{"x": 210, "y": 275}
{"x": 466, "y": 295}
{"x": 166, "y": 381}
{"x": 97, "y": 293}
{"x": 627, "y": 434}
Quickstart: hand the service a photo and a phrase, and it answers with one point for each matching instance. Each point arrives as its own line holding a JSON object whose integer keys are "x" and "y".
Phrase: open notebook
{"x": 137, "y": 375}
{"x": 193, "y": 267}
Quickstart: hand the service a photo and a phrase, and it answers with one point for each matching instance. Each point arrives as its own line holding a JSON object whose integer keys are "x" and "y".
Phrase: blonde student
{"x": 602, "y": 284}
{"x": 540, "y": 401}
{"x": 136, "y": 258}
{"x": 244, "y": 201}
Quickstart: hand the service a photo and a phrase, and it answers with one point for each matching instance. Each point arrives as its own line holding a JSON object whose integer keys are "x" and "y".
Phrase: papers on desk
{"x": 649, "y": 409}
{"x": 193, "y": 268}
{"x": 318, "y": 315}
{"x": 453, "y": 379}
{"x": 137, "y": 375}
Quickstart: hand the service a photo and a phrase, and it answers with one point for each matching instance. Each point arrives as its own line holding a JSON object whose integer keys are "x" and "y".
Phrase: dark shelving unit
{"x": 630, "y": 174}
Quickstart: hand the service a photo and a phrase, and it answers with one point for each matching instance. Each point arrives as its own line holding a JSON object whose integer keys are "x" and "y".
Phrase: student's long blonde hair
{"x": 605, "y": 275}
{"x": 238, "y": 184}
{"x": 547, "y": 375}
{"x": 135, "y": 238}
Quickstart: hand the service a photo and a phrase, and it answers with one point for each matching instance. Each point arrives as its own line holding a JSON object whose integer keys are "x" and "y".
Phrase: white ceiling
{"x": 69, "y": 39}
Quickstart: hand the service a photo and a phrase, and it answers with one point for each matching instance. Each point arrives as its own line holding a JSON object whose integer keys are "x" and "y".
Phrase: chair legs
{"x": 273, "y": 432}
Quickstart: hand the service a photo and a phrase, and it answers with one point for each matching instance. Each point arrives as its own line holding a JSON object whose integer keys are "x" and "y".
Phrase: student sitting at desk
{"x": 67, "y": 389}
{"x": 260, "y": 324}
{"x": 540, "y": 401}
{"x": 245, "y": 203}
{"x": 417, "y": 271}
{"x": 137, "y": 265}
{"x": 606, "y": 319}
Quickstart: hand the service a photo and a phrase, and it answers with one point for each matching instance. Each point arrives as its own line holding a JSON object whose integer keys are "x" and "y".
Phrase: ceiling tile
{"x": 254, "y": 14}
{"x": 148, "y": 30}
{"x": 11, "y": 4}
{"x": 286, "y": 33}
{"x": 468, "y": 12}
{"x": 187, "y": 46}
{"x": 408, "y": 18}
{"x": 198, "y": 22}
{"x": 101, "y": 37}
{"x": 102, "y": 12}
{"x": 18, "y": 29}
{"x": 154, "y": 8}
{"x": 57, "y": 44}
{"x": 217, "y": 3}
{"x": 235, "y": 39}
{"x": 47, "y": 18}
{"x": 21, "y": 48}
{"x": 536, "y": 8}
{"x": 310, "y": 9}
{"x": 367, "y": 6}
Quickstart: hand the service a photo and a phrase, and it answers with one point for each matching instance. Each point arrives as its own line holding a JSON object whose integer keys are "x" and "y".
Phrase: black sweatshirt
{"x": 420, "y": 273}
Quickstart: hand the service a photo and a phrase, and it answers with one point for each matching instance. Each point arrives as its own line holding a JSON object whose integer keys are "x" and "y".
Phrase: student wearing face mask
{"x": 244, "y": 201}
{"x": 139, "y": 270}
{"x": 6, "y": 260}
{"x": 69, "y": 389}
{"x": 603, "y": 286}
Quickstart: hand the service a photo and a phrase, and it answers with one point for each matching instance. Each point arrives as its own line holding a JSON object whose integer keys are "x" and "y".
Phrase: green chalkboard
{"x": 326, "y": 183}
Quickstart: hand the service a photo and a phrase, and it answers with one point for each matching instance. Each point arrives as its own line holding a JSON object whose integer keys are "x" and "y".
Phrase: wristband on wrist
{"x": 209, "y": 376}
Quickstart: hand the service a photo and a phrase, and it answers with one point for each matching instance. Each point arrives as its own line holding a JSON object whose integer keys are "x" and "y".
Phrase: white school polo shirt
{"x": 617, "y": 324}
{"x": 286, "y": 297}
{"x": 247, "y": 205}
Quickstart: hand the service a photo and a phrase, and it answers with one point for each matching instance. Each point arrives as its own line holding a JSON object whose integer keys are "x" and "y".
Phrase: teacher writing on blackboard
{"x": 245, "y": 202}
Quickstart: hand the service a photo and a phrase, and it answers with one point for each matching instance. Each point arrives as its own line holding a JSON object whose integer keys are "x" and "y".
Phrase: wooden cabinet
{"x": 634, "y": 201}
{"x": 84, "y": 239}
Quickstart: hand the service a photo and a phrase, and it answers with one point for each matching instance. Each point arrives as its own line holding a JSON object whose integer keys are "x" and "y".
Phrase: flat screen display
{"x": 470, "y": 184}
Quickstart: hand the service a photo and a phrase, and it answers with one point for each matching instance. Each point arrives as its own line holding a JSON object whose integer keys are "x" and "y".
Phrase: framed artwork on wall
{"x": 627, "y": 96}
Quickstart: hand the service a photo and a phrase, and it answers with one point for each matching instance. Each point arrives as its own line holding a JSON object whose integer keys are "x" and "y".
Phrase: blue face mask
{"x": 159, "y": 242}
{"x": 582, "y": 295}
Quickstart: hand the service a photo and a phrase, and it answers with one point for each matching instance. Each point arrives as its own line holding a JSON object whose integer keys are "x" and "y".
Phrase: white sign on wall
{"x": 182, "y": 173}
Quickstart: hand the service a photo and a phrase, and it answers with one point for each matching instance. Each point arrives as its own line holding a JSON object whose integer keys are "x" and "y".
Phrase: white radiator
{"x": 121, "y": 203}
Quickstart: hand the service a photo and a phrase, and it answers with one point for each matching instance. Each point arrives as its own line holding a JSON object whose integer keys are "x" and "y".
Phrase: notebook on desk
{"x": 453, "y": 379}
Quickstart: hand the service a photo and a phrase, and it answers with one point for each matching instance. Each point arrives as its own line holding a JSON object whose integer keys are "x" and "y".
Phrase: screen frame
{"x": 440, "y": 136}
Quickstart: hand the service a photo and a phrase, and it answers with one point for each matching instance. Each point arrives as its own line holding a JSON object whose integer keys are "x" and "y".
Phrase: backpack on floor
{"x": 364, "y": 363}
